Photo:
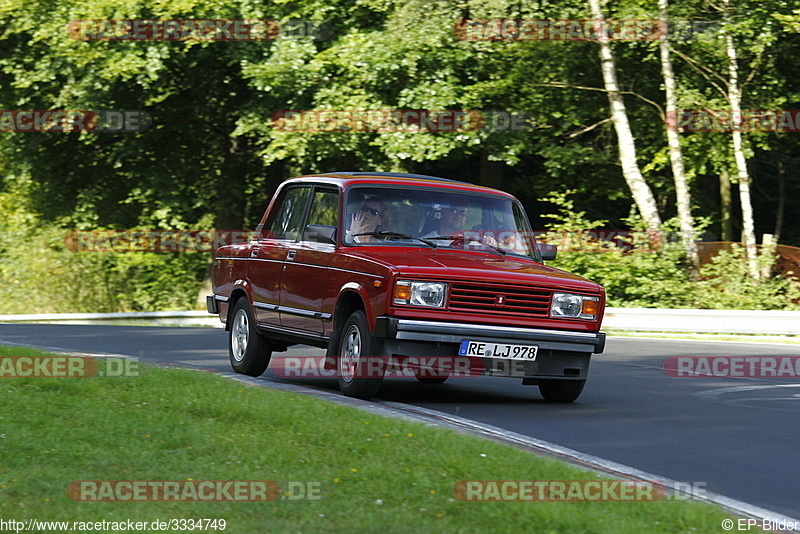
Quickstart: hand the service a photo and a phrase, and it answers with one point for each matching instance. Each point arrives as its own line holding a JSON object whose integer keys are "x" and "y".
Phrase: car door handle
{"x": 290, "y": 255}
{"x": 254, "y": 252}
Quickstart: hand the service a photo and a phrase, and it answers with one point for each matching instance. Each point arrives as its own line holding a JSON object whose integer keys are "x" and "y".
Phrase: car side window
{"x": 323, "y": 216}
{"x": 289, "y": 217}
{"x": 324, "y": 207}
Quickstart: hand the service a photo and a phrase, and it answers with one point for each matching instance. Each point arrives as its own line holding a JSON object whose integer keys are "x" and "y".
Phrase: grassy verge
{"x": 374, "y": 474}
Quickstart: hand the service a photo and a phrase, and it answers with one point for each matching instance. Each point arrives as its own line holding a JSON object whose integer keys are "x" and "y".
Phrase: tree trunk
{"x": 642, "y": 195}
{"x": 491, "y": 172}
{"x": 232, "y": 183}
{"x": 769, "y": 246}
{"x": 735, "y": 101}
{"x": 781, "y": 199}
{"x": 726, "y": 205}
{"x": 231, "y": 202}
{"x": 683, "y": 197}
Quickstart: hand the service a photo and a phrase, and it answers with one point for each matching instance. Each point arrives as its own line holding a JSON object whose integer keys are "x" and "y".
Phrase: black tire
{"x": 561, "y": 390}
{"x": 248, "y": 350}
{"x": 358, "y": 367}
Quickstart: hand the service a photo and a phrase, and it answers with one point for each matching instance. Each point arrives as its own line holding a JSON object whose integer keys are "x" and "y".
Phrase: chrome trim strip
{"x": 268, "y": 260}
{"x": 553, "y": 343}
{"x": 303, "y": 313}
{"x": 296, "y": 311}
{"x": 221, "y": 298}
{"x": 293, "y": 311}
{"x": 458, "y": 329}
{"x": 357, "y": 272}
{"x": 304, "y": 264}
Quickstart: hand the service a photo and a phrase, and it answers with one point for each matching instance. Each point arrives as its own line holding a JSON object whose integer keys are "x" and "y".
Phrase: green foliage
{"x": 39, "y": 274}
{"x": 212, "y": 156}
{"x": 725, "y": 283}
{"x": 649, "y": 272}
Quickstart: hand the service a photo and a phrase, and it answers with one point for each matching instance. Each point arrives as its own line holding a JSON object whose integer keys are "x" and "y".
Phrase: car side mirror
{"x": 548, "y": 252}
{"x": 320, "y": 233}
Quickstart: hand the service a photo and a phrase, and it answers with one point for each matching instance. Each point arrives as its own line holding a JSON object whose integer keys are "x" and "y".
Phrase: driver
{"x": 451, "y": 226}
{"x": 451, "y": 222}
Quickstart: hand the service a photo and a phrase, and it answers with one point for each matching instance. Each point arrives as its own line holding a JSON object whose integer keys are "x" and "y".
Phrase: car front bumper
{"x": 441, "y": 332}
{"x": 562, "y": 355}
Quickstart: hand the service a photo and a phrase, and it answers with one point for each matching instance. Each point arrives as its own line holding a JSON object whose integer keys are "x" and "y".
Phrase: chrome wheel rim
{"x": 240, "y": 332}
{"x": 350, "y": 354}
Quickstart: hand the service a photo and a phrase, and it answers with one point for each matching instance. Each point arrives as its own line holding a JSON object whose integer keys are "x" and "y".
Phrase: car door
{"x": 268, "y": 253}
{"x": 305, "y": 269}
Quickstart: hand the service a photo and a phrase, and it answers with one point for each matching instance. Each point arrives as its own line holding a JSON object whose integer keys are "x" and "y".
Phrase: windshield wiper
{"x": 388, "y": 233}
{"x": 459, "y": 239}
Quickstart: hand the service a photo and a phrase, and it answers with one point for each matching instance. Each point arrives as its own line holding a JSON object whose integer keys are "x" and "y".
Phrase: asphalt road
{"x": 736, "y": 436}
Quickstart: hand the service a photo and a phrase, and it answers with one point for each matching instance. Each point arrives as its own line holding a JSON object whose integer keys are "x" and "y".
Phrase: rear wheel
{"x": 249, "y": 351}
{"x": 561, "y": 390}
{"x": 359, "y": 370}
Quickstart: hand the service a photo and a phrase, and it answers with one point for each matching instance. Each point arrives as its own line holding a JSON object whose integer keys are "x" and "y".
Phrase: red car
{"x": 387, "y": 269}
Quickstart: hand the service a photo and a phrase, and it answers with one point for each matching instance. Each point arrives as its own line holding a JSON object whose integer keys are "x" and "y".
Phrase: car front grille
{"x": 499, "y": 299}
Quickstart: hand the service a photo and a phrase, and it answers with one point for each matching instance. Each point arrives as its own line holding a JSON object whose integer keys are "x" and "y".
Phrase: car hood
{"x": 448, "y": 264}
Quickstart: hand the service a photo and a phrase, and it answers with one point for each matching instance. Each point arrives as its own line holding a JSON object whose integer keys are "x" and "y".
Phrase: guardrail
{"x": 616, "y": 319}
{"x": 763, "y": 322}
{"x": 163, "y": 318}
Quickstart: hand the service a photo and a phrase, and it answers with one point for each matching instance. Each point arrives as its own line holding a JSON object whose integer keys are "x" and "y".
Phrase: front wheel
{"x": 360, "y": 371}
{"x": 249, "y": 351}
{"x": 561, "y": 390}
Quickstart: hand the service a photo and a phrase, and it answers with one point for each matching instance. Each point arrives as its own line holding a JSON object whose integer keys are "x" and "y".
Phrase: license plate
{"x": 508, "y": 351}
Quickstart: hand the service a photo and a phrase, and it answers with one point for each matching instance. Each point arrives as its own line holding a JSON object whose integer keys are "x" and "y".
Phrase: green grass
{"x": 376, "y": 474}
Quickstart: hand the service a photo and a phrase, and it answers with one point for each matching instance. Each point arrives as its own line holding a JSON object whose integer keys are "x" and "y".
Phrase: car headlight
{"x": 415, "y": 293}
{"x": 574, "y": 306}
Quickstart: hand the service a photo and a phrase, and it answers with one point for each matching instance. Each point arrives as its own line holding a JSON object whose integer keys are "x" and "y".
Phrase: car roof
{"x": 348, "y": 178}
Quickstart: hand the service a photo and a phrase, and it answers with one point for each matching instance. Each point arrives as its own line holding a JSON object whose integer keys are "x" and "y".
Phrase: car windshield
{"x": 437, "y": 218}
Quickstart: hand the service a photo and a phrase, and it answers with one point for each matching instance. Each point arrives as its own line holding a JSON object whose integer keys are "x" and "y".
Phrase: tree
{"x": 735, "y": 102}
{"x": 733, "y": 60}
{"x": 642, "y": 195}
{"x": 683, "y": 197}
